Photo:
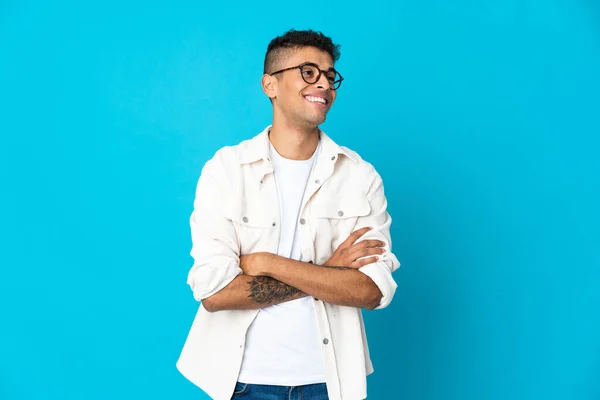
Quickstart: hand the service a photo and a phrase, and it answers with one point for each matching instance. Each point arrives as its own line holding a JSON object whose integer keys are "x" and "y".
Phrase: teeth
{"x": 316, "y": 99}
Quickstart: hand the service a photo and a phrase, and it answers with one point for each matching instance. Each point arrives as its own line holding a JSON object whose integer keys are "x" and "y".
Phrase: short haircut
{"x": 294, "y": 39}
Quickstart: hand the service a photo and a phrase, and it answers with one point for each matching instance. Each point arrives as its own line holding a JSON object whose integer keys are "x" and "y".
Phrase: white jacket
{"x": 236, "y": 212}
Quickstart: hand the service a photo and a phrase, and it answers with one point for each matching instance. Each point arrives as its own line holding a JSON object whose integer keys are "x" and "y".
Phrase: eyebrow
{"x": 317, "y": 64}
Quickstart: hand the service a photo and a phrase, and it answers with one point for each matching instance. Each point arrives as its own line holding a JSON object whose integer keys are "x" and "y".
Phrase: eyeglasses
{"x": 311, "y": 74}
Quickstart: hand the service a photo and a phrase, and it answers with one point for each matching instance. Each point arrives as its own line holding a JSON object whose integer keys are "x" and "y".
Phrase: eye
{"x": 308, "y": 72}
{"x": 331, "y": 76}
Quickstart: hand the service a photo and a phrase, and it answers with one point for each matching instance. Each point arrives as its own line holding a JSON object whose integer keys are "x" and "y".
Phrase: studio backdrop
{"x": 483, "y": 118}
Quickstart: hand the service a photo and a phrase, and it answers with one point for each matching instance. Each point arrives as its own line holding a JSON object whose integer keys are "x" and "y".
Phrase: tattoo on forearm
{"x": 264, "y": 290}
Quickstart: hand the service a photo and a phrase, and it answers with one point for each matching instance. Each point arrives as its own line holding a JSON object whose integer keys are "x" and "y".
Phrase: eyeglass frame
{"x": 318, "y": 76}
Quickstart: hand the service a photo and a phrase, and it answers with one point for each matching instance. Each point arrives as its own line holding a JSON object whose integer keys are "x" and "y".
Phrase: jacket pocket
{"x": 335, "y": 219}
{"x": 347, "y": 206}
{"x": 252, "y": 226}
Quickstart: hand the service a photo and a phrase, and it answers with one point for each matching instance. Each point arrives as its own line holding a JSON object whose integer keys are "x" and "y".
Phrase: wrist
{"x": 267, "y": 264}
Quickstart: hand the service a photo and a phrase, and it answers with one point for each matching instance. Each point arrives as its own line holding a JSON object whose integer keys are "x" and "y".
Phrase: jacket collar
{"x": 258, "y": 148}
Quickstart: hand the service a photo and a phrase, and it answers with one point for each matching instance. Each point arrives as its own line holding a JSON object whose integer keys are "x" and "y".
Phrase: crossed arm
{"x": 248, "y": 292}
{"x": 270, "y": 279}
{"x": 224, "y": 280}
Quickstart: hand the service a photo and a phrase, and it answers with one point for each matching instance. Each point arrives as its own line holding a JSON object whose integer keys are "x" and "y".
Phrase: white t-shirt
{"x": 283, "y": 346}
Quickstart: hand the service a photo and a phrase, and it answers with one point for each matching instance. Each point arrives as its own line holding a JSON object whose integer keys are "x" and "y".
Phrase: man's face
{"x": 304, "y": 104}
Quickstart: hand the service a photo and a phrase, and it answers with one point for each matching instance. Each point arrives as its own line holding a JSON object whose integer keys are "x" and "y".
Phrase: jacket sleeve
{"x": 215, "y": 247}
{"x": 380, "y": 220}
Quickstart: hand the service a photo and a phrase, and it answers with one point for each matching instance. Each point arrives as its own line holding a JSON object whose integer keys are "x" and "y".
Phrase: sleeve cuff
{"x": 207, "y": 281}
{"x": 381, "y": 275}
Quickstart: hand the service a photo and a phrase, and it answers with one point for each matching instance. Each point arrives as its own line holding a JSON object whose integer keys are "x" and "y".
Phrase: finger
{"x": 369, "y": 243}
{"x": 367, "y": 251}
{"x": 358, "y": 234}
{"x": 366, "y": 244}
{"x": 354, "y": 236}
{"x": 364, "y": 261}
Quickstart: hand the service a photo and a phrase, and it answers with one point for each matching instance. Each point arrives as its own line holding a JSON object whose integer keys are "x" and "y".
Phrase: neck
{"x": 294, "y": 142}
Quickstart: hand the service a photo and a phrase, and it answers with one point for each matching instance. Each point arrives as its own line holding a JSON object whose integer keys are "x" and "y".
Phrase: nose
{"x": 323, "y": 83}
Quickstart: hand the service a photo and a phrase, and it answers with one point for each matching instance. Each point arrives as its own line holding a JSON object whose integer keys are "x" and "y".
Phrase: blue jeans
{"x": 249, "y": 391}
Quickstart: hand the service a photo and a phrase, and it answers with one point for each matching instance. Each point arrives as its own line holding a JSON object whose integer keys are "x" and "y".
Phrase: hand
{"x": 349, "y": 252}
{"x": 256, "y": 264}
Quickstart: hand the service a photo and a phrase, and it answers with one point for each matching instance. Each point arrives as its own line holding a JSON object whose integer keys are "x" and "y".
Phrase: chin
{"x": 312, "y": 121}
{"x": 318, "y": 120}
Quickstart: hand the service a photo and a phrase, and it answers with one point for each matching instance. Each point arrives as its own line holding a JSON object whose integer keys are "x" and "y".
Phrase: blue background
{"x": 481, "y": 116}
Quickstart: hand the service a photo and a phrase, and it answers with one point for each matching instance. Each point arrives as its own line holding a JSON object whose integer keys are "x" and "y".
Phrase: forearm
{"x": 251, "y": 293}
{"x": 334, "y": 285}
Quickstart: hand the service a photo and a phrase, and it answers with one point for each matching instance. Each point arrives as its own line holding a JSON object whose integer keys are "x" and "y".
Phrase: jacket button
{"x": 245, "y": 219}
{"x": 317, "y": 181}
{"x": 325, "y": 341}
{"x": 302, "y": 221}
{"x": 341, "y": 213}
{"x": 333, "y": 158}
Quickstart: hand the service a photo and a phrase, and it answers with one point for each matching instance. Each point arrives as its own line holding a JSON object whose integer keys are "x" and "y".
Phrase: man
{"x": 291, "y": 239}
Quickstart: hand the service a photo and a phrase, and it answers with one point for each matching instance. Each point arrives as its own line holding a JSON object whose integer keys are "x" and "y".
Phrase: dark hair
{"x": 294, "y": 39}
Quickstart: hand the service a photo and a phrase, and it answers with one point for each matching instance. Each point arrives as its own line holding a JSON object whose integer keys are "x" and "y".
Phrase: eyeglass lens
{"x": 310, "y": 74}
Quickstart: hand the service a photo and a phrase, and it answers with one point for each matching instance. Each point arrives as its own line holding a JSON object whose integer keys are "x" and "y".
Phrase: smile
{"x": 315, "y": 99}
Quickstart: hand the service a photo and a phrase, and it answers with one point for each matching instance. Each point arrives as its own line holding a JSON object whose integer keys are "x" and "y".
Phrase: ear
{"x": 270, "y": 85}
